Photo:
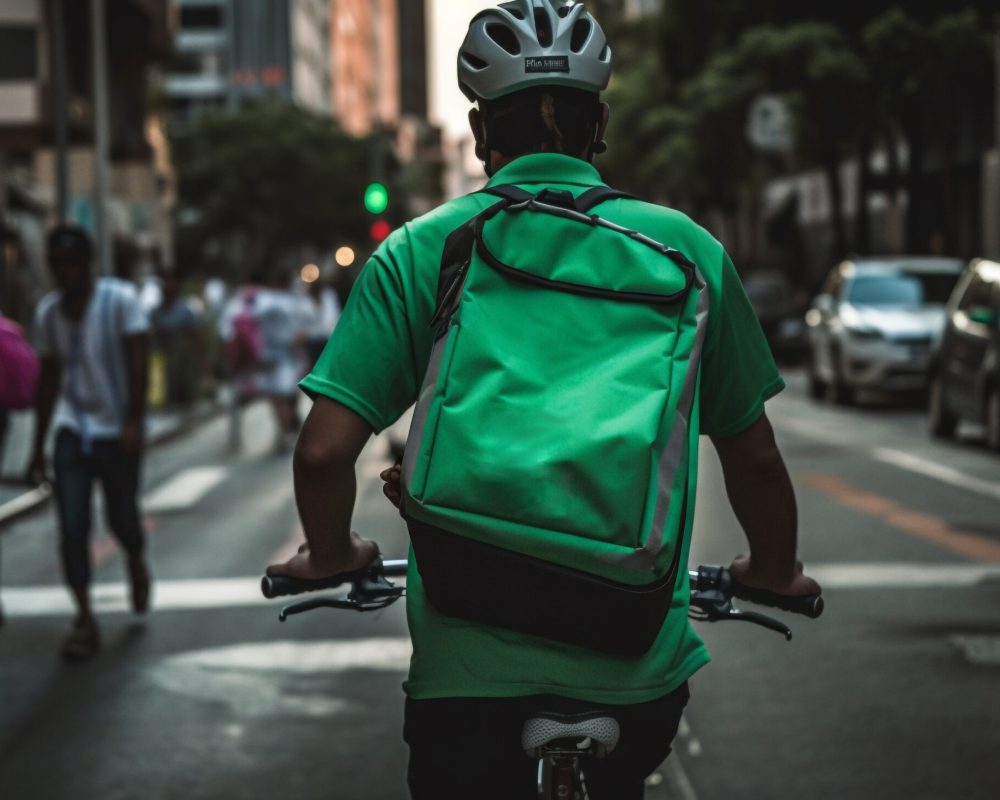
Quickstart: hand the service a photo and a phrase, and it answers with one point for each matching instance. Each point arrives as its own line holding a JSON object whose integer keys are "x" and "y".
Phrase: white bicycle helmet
{"x": 526, "y": 43}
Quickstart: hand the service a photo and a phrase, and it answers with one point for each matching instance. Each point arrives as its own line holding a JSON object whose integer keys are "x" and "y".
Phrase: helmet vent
{"x": 514, "y": 12}
{"x": 474, "y": 62}
{"x": 563, "y": 11}
{"x": 504, "y": 37}
{"x": 581, "y": 32}
{"x": 605, "y": 54}
{"x": 543, "y": 28}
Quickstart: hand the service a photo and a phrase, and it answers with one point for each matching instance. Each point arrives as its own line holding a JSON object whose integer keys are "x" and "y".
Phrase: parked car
{"x": 965, "y": 382}
{"x": 876, "y": 324}
{"x": 770, "y": 294}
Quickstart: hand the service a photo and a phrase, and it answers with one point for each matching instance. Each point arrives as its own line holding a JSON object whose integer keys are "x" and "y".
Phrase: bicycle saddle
{"x": 588, "y": 733}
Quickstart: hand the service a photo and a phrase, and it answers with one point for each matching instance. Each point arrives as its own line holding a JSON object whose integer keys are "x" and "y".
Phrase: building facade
{"x": 232, "y": 52}
{"x": 34, "y": 191}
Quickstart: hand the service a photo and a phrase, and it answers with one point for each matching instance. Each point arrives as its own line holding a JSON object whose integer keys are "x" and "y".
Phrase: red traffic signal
{"x": 379, "y": 230}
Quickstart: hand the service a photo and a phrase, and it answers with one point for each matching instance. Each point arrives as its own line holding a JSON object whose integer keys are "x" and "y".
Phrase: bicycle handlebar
{"x": 712, "y": 593}
{"x": 284, "y": 586}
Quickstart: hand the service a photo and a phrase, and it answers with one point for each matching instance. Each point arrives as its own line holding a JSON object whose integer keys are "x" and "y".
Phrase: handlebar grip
{"x": 810, "y": 605}
{"x": 281, "y": 585}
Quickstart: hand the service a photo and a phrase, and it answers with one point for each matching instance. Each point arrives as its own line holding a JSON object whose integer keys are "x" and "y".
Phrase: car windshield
{"x": 905, "y": 289}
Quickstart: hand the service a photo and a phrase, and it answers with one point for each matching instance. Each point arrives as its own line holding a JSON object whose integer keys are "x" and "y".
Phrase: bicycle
{"x": 558, "y": 742}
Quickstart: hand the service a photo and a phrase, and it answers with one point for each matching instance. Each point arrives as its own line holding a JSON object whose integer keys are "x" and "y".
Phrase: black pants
{"x": 471, "y": 747}
{"x": 75, "y": 473}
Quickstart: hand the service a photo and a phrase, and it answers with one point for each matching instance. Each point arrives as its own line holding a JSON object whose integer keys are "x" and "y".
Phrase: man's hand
{"x": 794, "y": 585}
{"x": 391, "y": 476}
{"x": 308, "y": 565}
{"x": 36, "y": 472}
{"x": 131, "y": 441}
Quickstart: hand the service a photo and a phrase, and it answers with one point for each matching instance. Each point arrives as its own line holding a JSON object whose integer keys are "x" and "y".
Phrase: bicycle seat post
{"x": 558, "y": 741}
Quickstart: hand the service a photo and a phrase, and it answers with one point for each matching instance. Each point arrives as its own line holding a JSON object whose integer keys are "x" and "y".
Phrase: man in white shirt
{"x": 91, "y": 336}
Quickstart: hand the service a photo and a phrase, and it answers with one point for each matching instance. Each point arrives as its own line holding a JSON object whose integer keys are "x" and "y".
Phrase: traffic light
{"x": 379, "y": 230}
{"x": 376, "y": 198}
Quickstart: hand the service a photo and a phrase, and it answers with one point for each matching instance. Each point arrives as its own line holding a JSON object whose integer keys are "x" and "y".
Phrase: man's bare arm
{"x": 763, "y": 499}
{"x": 325, "y": 487}
{"x": 45, "y": 399}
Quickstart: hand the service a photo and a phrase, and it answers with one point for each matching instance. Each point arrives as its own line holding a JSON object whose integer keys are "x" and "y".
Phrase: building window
{"x": 18, "y": 53}
{"x": 195, "y": 17}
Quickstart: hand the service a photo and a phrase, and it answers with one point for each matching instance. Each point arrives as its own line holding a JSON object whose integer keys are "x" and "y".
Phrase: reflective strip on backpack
{"x": 416, "y": 435}
{"x": 643, "y": 559}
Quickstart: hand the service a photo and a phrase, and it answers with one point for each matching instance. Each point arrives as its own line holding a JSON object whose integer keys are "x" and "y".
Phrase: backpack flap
{"x": 563, "y": 248}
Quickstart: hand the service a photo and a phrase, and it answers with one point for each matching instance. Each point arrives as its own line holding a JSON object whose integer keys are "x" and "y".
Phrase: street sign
{"x": 769, "y": 124}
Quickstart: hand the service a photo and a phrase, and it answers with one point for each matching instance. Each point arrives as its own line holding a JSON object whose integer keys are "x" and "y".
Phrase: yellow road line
{"x": 922, "y": 526}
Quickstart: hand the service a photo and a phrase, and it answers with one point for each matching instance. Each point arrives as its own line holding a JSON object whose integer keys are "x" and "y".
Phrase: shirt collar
{"x": 547, "y": 168}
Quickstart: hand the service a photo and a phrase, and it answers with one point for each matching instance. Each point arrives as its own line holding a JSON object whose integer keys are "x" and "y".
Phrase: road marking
{"x": 932, "y": 469}
{"x": 677, "y": 779}
{"x": 821, "y": 432}
{"x": 902, "y": 575}
{"x": 981, "y": 650}
{"x": 184, "y": 490}
{"x": 922, "y": 526}
{"x": 33, "y": 601}
{"x": 24, "y": 501}
{"x": 268, "y": 679}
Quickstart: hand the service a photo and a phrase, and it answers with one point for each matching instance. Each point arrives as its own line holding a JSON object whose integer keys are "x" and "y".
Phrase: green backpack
{"x": 545, "y": 479}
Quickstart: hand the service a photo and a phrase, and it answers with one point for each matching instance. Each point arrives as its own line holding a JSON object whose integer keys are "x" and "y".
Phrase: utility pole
{"x": 60, "y": 105}
{"x": 102, "y": 149}
{"x": 992, "y": 232}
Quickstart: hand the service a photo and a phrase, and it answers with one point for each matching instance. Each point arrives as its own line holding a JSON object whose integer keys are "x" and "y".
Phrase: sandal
{"x": 139, "y": 577}
{"x": 82, "y": 643}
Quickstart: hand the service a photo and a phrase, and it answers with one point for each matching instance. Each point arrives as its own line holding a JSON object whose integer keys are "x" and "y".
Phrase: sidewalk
{"x": 16, "y": 498}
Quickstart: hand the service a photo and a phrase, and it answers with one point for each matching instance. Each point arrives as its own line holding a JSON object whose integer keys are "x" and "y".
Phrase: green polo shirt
{"x": 375, "y": 362}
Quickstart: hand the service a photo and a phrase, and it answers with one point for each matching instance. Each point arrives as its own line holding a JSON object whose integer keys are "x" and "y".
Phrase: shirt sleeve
{"x": 738, "y": 371}
{"x": 370, "y": 363}
{"x": 134, "y": 318}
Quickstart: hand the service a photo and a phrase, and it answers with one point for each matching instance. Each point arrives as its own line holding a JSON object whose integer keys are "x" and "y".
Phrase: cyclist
{"x": 538, "y": 123}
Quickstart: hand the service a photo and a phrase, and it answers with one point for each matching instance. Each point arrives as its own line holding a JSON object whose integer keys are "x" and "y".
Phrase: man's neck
{"x": 74, "y": 305}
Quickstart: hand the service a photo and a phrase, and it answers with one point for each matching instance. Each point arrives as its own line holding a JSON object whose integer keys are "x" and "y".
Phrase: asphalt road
{"x": 894, "y": 692}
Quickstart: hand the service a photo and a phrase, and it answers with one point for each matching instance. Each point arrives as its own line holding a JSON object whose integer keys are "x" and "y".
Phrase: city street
{"x": 894, "y": 692}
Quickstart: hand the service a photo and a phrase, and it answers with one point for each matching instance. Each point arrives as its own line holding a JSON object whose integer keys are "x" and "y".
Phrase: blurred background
{"x": 847, "y": 154}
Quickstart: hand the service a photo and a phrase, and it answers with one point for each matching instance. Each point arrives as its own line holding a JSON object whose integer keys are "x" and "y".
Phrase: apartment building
{"x": 232, "y": 52}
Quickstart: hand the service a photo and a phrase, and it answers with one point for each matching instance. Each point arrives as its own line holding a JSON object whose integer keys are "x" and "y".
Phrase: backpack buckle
{"x": 557, "y": 197}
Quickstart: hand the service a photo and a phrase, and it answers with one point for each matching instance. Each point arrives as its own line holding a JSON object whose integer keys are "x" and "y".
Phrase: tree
{"x": 929, "y": 78}
{"x": 258, "y": 186}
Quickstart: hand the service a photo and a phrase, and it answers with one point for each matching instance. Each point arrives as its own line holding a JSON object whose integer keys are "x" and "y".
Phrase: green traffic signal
{"x": 376, "y": 198}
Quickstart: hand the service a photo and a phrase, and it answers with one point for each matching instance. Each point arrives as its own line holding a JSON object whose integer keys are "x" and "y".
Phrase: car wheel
{"x": 941, "y": 422}
{"x": 839, "y": 391}
{"x": 993, "y": 419}
{"x": 817, "y": 388}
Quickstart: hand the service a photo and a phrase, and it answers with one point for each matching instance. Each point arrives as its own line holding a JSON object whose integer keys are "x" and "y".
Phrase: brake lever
{"x": 367, "y": 594}
{"x": 762, "y": 620}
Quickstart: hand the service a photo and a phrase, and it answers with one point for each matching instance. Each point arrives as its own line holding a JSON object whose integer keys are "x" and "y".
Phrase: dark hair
{"x": 556, "y": 119}
{"x": 68, "y": 244}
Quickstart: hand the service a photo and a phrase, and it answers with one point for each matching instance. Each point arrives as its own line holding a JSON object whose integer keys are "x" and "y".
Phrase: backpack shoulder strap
{"x": 510, "y": 193}
{"x": 458, "y": 250}
{"x": 599, "y": 194}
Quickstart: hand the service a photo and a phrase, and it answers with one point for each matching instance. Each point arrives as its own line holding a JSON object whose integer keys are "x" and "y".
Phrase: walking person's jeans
{"x": 75, "y": 472}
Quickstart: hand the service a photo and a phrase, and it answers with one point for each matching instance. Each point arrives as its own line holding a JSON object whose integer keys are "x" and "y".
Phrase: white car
{"x": 876, "y": 324}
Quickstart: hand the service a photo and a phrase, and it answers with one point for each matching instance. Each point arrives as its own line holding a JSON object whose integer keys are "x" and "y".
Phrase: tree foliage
{"x": 852, "y": 73}
{"x": 259, "y": 186}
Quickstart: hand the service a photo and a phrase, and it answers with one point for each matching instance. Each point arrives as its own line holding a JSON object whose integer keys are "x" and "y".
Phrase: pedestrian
{"x": 177, "y": 341}
{"x": 263, "y": 334}
{"x": 91, "y": 335}
{"x": 567, "y": 345}
{"x": 320, "y": 312}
